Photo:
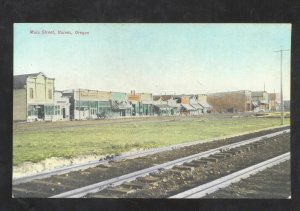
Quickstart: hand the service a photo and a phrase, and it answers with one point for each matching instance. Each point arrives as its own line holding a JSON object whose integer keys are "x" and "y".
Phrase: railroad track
{"x": 105, "y": 161}
{"x": 272, "y": 183}
{"x": 225, "y": 181}
{"x": 184, "y": 164}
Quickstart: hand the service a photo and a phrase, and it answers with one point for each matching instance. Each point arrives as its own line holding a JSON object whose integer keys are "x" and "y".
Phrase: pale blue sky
{"x": 157, "y": 58}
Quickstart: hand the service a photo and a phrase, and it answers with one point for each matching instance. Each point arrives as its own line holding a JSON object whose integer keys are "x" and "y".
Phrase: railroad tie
{"x": 120, "y": 190}
{"x": 133, "y": 185}
{"x": 155, "y": 175}
{"x": 101, "y": 166}
{"x": 148, "y": 179}
{"x": 202, "y": 162}
{"x": 233, "y": 152}
{"x": 226, "y": 154}
{"x": 97, "y": 195}
{"x": 246, "y": 148}
{"x": 192, "y": 164}
{"x": 219, "y": 155}
{"x": 258, "y": 144}
{"x": 176, "y": 172}
{"x": 184, "y": 168}
{"x": 210, "y": 159}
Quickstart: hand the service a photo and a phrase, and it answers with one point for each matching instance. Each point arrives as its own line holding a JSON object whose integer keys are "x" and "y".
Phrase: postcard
{"x": 115, "y": 110}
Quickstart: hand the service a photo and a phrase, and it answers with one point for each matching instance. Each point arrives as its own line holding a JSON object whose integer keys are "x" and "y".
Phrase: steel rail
{"x": 80, "y": 192}
{"x": 225, "y": 181}
{"x": 82, "y": 166}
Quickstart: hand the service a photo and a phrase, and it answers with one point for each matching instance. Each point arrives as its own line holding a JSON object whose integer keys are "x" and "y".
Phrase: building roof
{"x": 120, "y": 105}
{"x": 155, "y": 97}
{"x": 228, "y": 92}
{"x": 166, "y": 97}
{"x": 183, "y": 95}
{"x": 20, "y": 80}
{"x": 163, "y": 97}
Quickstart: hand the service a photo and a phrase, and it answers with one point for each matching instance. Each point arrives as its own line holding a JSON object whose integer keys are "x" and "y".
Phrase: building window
{"x": 52, "y": 110}
{"x": 31, "y": 93}
{"x": 57, "y": 110}
{"x": 49, "y": 93}
{"x": 49, "y": 110}
{"x": 32, "y": 111}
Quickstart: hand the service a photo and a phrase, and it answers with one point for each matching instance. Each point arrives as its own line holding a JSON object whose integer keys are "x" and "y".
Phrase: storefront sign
{"x": 133, "y": 98}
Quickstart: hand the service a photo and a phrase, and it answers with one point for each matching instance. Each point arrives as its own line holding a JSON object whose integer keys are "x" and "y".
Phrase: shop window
{"x": 57, "y": 110}
{"x": 49, "y": 110}
{"x": 31, "y": 111}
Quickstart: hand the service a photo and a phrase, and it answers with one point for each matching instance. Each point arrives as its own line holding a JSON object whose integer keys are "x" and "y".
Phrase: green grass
{"x": 38, "y": 145}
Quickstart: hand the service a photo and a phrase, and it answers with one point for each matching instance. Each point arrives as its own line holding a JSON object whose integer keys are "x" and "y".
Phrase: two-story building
{"x": 33, "y": 95}
{"x": 135, "y": 101}
{"x": 146, "y": 104}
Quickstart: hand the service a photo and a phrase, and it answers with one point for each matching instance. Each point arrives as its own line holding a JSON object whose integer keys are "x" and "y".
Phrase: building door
{"x": 64, "y": 112}
{"x": 41, "y": 114}
{"x": 134, "y": 110}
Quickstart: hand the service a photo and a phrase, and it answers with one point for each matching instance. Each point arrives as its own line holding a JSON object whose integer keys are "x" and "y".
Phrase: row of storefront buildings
{"x": 35, "y": 99}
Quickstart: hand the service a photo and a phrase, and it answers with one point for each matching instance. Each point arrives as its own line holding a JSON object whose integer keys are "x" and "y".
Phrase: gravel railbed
{"x": 57, "y": 184}
{"x": 272, "y": 183}
{"x": 170, "y": 182}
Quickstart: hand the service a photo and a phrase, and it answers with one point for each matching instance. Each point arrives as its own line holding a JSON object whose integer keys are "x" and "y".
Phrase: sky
{"x": 156, "y": 58}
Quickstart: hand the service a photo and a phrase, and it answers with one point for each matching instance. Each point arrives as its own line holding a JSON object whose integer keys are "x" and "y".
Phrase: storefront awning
{"x": 188, "y": 107}
{"x": 197, "y": 106}
{"x": 205, "y": 105}
{"x": 121, "y": 105}
{"x": 163, "y": 106}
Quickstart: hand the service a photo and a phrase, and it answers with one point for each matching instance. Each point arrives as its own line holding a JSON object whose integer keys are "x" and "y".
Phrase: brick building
{"x": 234, "y": 101}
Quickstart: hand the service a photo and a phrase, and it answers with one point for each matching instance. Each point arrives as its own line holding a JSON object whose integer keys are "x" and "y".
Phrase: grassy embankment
{"x": 37, "y": 145}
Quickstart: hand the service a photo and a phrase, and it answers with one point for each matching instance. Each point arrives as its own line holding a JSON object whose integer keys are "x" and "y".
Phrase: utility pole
{"x": 281, "y": 95}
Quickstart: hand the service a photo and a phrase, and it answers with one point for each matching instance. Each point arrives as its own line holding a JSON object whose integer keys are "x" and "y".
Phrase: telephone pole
{"x": 281, "y": 95}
